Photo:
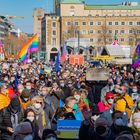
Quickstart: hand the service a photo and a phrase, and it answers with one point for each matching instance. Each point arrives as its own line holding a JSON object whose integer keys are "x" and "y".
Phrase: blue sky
{"x": 25, "y": 8}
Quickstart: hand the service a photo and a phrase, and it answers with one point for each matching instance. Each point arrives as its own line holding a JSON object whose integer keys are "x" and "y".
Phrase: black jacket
{"x": 5, "y": 121}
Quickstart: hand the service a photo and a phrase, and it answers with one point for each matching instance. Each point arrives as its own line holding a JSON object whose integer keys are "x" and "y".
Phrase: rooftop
{"x": 111, "y": 7}
{"x": 72, "y": 1}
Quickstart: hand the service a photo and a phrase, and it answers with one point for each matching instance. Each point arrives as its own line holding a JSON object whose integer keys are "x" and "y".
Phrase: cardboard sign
{"x": 97, "y": 74}
{"x": 68, "y": 129}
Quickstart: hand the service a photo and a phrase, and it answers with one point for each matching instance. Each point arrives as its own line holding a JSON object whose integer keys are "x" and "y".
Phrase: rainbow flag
{"x": 30, "y": 46}
{"x": 136, "y": 57}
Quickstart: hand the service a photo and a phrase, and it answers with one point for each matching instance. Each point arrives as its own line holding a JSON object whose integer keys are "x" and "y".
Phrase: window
{"x": 130, "y": 31}
{"x": 122, "y": 23}
{"x": 116, "y": 23}
{"x": 83, "y": 31}
{"x": 84, "y": 23}
{"x": 99, "y": 31}
{"x": 116, "y": 31}
{"x": 98, "y": 23}
{"x": 91, "y": 31}
{"x": 76, "y": 23}
{"x": 54, "y": 24}
{"x": 54, "y": 41}
{"x": 109, "y": 23}
{"x": 91, "y": 23}
{"x": 68, "y": 23}
{"x": 110, "y": 39}
{"x": 130, "y": 23}
{"x": 122, "y": 39}
{"x": 54, "y": 32}
{"x": 91, "y": 39}
{"x": 138, "y": 23}
{"x": 138, "y": 39}
{"x": 110, "y": 31}
{"x": 99, "y": 39}
{"x": 138, "y": 31}
{"x": 130, "y": 39}
{"x": 122, "y": 31}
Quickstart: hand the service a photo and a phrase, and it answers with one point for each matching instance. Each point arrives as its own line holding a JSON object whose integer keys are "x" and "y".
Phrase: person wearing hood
{"x": 136, "y": 125}
{"x": 10, "y": 117}
{"x": 65, "y": 89}
{"x": 23, "y": 132}
{"x": 42, "y": 116}
{"x": 49, "y": 134}
{"x": 25, "y": 99}
{"x": 100, "y": 130}
{"x": 119, "y": 124}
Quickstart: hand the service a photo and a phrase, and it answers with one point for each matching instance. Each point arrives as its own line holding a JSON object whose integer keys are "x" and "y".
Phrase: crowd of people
{"x": 32, "y": 100}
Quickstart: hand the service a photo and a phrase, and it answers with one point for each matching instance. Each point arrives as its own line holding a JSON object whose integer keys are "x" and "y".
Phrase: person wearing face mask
{"x": 42, "y": 115}
{"x": 119, "y": 124}
{"x": 29, "y": 87}
{"x": 72, "y": 106}
{"x": 23, "y": 131}
{"x": 136, "y": 125}
{"x": 49, "y": 134}
{"x": 25, "y": 99}
{"x": 100, "y": 131}
{"x": 29, "y": 116}
{"x": 10, "y": 117}
{"x": 109, "y": 87}
{"x": 65, "y": 89}
{"x": 124, "y": 102}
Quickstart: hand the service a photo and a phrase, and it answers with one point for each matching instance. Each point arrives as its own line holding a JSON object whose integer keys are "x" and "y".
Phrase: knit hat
{"x": 48, "y": 132}
{"x": 136, "y": 116}
{"x": 109, "y": 94}
{"x": 23, "y": 131}
{"x": 23, "y": 128}
{"x": 25, "y": 93}
{"x": 101, "y": 122}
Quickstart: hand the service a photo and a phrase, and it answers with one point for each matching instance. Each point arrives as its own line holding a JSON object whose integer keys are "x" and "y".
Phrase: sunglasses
{"x": 110, "y": 98}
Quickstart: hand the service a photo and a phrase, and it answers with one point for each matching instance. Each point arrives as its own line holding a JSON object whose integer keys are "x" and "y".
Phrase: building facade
{"x": 96, "y": 23}
{"x": 38, "y": 15}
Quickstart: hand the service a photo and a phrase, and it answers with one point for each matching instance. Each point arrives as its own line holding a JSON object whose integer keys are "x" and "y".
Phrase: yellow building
{"x": 95, "y": 23}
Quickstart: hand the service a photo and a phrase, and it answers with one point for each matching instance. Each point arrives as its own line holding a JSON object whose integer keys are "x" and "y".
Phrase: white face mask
{"x": 31, "y": 118}
{"x": 77, "y": 97}
{"x": 37, "y": 105}
{"x": 95, "y": 117}
{"x": 110, "y": 101}
{"x": 26, "y": 99}
{"x": 135, "y": 90}
{"x": 20, "y": 90}
{"x": 137, "y": 125}
{"x": 28, "y": 87}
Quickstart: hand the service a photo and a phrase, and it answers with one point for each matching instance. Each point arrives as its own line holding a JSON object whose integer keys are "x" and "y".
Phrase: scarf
{"x": 14, "y": 120}
{"x": 37, "y": 111}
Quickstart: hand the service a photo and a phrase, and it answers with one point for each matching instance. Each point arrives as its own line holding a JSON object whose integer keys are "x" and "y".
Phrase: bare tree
{"x": 12, "y": 44}
{"x": 104, "y": 36}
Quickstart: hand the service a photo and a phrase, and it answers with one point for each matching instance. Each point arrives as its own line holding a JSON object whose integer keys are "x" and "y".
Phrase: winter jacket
{"x": 5, "y": 121}
{"x": 67, "y": 91}
{"x": 4, "y": 101}
{"x": 107, "y": 114}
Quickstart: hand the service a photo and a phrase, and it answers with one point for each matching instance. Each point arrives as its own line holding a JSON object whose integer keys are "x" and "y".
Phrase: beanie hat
{"x": 136, "y": 116}
{"x": 25, "y": 93}
{"x": 23, "y": 128}
{"x": 109, "y": 94}
{"x": 101, "y": 122}
{"x": 48, "y": 132}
